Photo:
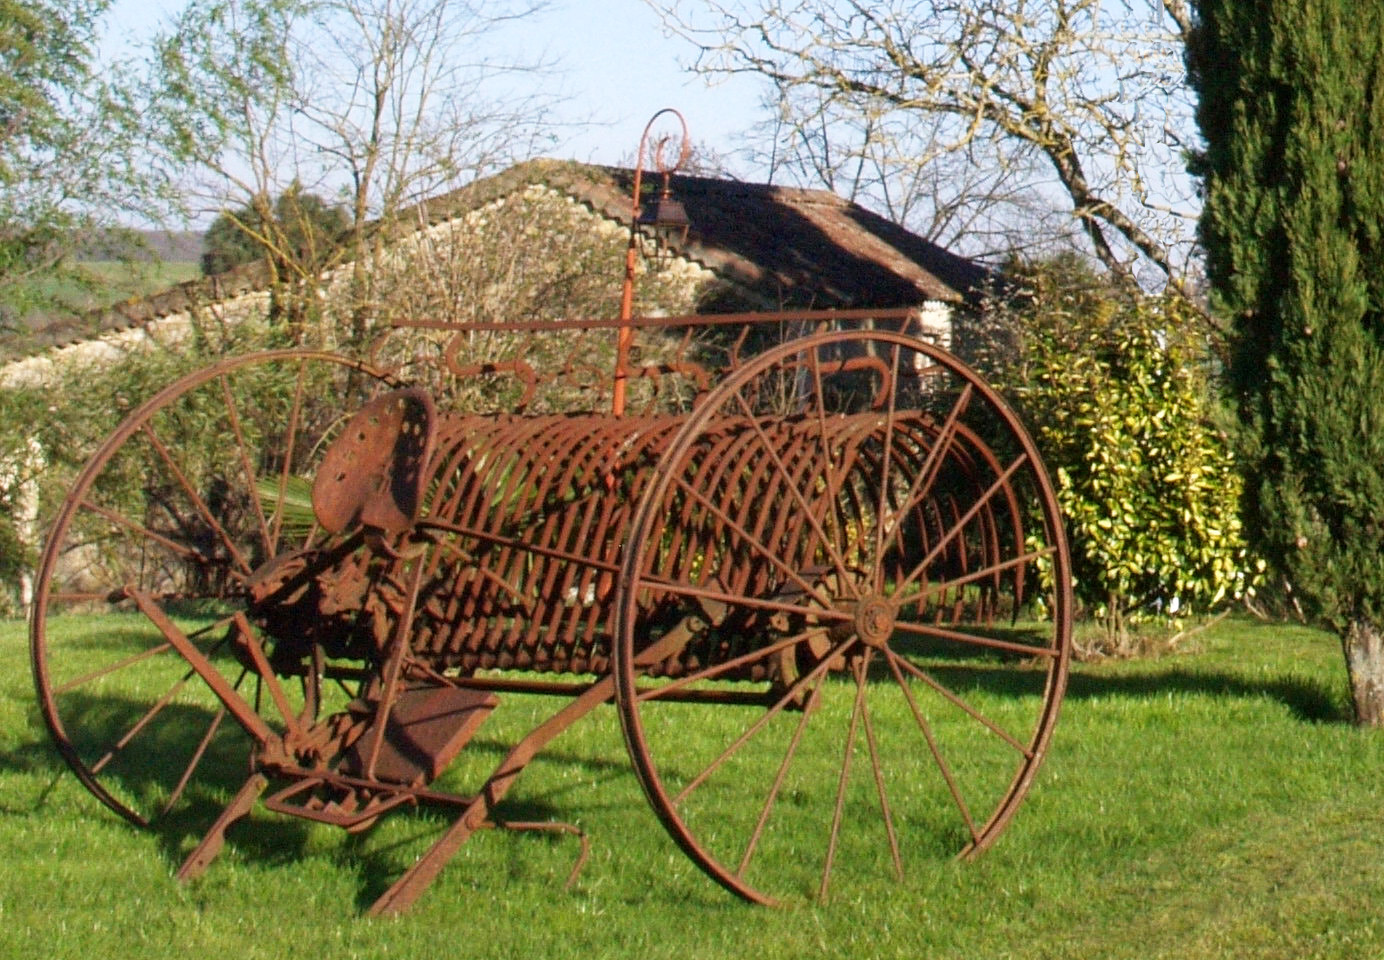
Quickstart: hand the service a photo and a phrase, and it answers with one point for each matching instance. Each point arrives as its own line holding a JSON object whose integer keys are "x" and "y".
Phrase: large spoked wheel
{"x": 867, "y": 540}
{"x": 198, "y": 500}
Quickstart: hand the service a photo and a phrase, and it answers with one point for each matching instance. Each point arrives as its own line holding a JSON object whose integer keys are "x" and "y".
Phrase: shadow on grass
{"x": 1310, "y": 702}
{"x": 225, "y": 767}
{"x": 377, "y": 858}
{"x": 1010, "y": 674}
{"x": 37, "y": 759}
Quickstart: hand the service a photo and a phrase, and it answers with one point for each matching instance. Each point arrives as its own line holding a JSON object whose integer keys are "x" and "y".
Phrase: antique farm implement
{"x": 823, "y": 582}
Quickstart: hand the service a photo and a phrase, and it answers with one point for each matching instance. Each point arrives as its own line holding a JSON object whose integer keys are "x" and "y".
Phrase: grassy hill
{"x": 106, "y": 274}
{"x": 168, "y": 246}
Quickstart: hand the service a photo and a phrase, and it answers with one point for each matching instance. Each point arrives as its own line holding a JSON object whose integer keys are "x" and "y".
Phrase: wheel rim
{"x": 186, "y": 523}
{"x": 929, "y": 651}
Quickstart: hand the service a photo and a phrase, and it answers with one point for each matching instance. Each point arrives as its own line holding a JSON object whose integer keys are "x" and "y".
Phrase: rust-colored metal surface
{"x": 820, "y": 574}
{"x": 834, "y": 546}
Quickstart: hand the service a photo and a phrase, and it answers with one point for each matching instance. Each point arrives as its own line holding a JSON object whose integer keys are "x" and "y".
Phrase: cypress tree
{"x": 1292, "y": 112}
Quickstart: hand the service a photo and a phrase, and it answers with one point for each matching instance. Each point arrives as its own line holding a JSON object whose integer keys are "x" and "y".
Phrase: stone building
{"x": 543, "y": 240}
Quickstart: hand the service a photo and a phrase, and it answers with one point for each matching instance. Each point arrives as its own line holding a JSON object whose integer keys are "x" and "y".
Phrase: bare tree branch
{"x": 377, "y": 104}
{"x": 1072, "y": 98}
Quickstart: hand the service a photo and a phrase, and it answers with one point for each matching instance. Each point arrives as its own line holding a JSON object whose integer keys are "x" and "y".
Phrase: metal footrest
{"x": 427, "y": 727}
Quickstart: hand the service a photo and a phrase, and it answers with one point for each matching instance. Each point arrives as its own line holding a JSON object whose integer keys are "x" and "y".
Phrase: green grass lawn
{"x": 1215, "y": 803}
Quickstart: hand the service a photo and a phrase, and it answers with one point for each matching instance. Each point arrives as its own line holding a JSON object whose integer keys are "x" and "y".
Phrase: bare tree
{"x": 377, "y": 104}
{"x": 1081, "y": 101}
{"x": 973, "y": 201}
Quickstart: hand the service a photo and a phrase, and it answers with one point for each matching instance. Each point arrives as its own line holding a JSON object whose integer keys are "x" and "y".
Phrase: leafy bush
{"x": 1115, "y": 387}
{"x": 297, "y": 228}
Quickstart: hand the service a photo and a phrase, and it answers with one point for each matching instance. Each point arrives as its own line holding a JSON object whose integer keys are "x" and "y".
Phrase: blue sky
{"x": 619, "y": 69}
{"x": 624, "y": 68}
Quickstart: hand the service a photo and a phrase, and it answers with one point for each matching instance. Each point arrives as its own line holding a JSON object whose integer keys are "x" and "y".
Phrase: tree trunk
{"x": 1363, "y": 642}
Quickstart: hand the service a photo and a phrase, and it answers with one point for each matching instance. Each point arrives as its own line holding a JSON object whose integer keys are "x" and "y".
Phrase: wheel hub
{"x": 874, "y": 621}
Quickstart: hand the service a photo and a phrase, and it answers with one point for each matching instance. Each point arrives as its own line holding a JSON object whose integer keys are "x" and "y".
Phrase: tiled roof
{"x": 790, "y": 247}
{"x": 779, "y": 246}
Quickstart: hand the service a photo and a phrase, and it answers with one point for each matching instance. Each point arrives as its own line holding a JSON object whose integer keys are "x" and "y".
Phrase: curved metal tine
{"x": 793, "y": 693}
{"x": 833, "y": 549}
{"x": 932, "y": 746}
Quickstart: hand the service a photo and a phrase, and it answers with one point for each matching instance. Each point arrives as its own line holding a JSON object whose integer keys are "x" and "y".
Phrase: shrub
{"x": 1115, "y": 387}
{"x": 299, "y": 229}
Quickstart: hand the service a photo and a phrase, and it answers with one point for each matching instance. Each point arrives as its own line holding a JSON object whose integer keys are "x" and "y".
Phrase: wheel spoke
{"x": 789, "y": 753}
{"x": 882, "y": 508}
{"x": 809, "y": 514}
{"x": 921, "y": 485}
{"x": 194, "y": 762}
{"x": 109, "y": 669}
{"x": 792, "y": 695}
{"x": 945, "y": 587}
{"x": 751, "y": 603}
{"x": 121, "y": 664}
{"x": 860, "y": 667}
{"x": 725, "y": 667}
{"x": 926, "y": 728}
{"x": 950, "y": 481}
{"x": 295, "y": 412}
{"x": 749, "y": 539}
{"x": 251, "y": 477}
{"x": 198, "y": 503}
{"x": 898, "y": 662}
{"x": 886, "y": 811}
{"x": 119, "y": 704}
{"x": 975, "y": 640}
{"x": 122, "y": 742}
{"x": 186, "y": 553}
{"x": 827, "y": 452}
